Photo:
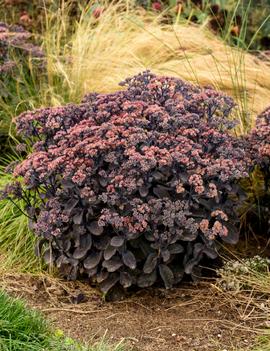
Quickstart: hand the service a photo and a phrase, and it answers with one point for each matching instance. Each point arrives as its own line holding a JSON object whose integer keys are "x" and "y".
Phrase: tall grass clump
{"x": 23, "y": 329}
{"x": 19, "y": 59}
{"x": 97, "y": 52}
{"x": 16, "y": 240}
{"x": 20, "y": 92}
{"x": 263, "y": 343}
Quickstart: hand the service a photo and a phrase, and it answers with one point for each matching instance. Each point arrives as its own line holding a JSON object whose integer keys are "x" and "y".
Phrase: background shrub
{"x": 13, "y": 37}
{"x": 259, "y": 184}
{"x": 19, "y": 58}
{"x": 133, "y": 186}
{"x": 230, "y": 19}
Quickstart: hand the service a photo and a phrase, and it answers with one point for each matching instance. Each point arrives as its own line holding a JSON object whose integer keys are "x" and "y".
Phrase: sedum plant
{"x": 259, "y": 148}
{"x": 13, "y": 37}
{"x": 134, "y": 187}
{"x": 20, "y": 60}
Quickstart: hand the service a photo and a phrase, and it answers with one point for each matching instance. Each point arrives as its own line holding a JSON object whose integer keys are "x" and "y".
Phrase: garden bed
{"x": 160, "y": 219}
{"x": 192, "y": 317}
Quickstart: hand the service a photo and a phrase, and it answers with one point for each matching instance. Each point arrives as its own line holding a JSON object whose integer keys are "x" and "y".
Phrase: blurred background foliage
{"x": 225, "y": 17}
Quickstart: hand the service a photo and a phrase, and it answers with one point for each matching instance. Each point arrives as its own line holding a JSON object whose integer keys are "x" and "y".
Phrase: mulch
{"x": 189, "y": 318}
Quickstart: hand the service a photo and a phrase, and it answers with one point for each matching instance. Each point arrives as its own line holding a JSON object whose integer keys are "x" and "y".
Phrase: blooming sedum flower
{"x": 135, "y": 185}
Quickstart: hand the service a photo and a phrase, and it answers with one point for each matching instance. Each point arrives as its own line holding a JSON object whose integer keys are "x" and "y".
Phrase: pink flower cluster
{"x": 259, "y": 138}
{"x": 259, "y": 152}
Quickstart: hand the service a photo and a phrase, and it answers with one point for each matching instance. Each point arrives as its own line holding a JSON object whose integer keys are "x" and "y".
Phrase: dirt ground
{"x": 190, "y": 318}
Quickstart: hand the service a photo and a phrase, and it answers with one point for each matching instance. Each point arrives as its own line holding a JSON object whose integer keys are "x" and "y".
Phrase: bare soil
{"x": 190, "y": 318}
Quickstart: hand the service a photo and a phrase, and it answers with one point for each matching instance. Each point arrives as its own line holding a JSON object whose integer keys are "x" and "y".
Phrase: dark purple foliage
{"x": 135, "y": 186}
{"x": 259, "y": 141}
{"x": 259, "y": 147}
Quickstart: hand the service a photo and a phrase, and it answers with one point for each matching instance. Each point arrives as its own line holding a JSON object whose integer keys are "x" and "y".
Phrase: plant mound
{"x": 259, "y": 148}
{"x": 136, "y": 186}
